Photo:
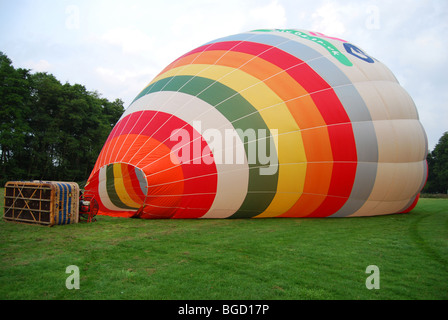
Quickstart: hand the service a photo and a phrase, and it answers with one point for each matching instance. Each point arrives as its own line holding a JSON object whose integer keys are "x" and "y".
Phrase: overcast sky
{"x": 117, "y": 47}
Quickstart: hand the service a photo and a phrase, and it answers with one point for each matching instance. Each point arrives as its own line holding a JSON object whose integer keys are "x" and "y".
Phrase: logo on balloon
{"x": 358, "y": 53}
{"x": 318, "y": 38}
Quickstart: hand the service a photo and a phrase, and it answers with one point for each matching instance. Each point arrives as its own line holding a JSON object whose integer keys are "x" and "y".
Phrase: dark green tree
{"x": 44, "y": 123}
{"x": 14, "y": 130}
{"x": 438, "y": 167}
{"x": 50, "y": 130}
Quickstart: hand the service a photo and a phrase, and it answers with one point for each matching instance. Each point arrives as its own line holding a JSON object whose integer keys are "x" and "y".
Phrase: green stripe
{"x": 215, "y": 94}
{"x": 110, "y": 187}
{"x": 320, "y": 41}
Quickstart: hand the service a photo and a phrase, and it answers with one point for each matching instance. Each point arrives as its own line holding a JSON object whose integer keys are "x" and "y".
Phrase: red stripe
{"x": 136, "y": 183}
{"x": 412, "y": 205}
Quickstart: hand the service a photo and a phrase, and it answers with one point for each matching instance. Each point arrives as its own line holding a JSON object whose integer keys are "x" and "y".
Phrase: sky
{"x": 116, "y": 47}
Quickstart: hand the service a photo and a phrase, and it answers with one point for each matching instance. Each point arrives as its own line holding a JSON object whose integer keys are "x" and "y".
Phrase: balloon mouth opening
{"x": 120, "y": 186}
{"x": 123, "y": 190}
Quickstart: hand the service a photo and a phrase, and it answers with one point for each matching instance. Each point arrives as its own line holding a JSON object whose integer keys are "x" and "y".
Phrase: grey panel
{"x": 364, "y": 181}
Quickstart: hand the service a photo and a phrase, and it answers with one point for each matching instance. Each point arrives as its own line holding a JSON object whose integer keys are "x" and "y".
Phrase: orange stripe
{"x": 318, "y": 173}
{"x": 315, "y": 191}
{"x": 153, "y": 157}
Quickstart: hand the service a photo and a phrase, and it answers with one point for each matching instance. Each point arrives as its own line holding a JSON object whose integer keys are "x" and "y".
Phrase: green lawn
{"x": 231, "y": 259}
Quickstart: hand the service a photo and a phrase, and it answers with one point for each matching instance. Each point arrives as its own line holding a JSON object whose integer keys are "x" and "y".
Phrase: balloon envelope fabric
{"x": 267, "y": 123}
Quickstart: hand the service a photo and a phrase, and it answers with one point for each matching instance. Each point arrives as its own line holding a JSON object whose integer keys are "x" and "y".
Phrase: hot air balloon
{"x": 266, "y": 123}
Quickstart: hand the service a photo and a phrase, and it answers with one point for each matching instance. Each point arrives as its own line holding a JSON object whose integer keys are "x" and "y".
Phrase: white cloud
{"x": 199, "y": 26}
{"x": 38, "y": 66}
{"x": 327, "y": 19}
{"x": 131, "y": 40}
{"x": 272, "y": 15}
{"x": 426, "y": 49}
{"x": 124, "y": 83}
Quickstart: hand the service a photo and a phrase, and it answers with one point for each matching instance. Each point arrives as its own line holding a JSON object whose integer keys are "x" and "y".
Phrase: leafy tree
{"x": 14, "y": 92}
{"x": 50, "y": 130}
{"x": 438, "y": 167}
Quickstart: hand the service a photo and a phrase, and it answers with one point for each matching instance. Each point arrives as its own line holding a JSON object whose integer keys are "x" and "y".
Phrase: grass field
{"x": 231, "y": 259}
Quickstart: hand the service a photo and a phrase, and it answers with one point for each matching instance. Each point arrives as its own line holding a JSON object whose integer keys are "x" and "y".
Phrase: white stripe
{"x": 102, "y": 190}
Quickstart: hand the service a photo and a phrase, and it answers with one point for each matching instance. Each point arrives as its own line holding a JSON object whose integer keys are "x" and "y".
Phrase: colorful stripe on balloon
{"x": 324, "y": 113}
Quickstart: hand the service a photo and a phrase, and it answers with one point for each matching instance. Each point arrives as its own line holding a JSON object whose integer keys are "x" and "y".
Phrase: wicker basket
{"x": 42, "y": 202}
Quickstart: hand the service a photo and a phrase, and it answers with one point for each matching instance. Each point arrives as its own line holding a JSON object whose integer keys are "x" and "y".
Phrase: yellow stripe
{"x": 290, "y": 148}
{"x": 120, "y": 188}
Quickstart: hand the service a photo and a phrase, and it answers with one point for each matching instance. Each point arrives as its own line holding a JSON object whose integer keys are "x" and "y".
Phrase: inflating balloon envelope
{"x": 267, "y": 123}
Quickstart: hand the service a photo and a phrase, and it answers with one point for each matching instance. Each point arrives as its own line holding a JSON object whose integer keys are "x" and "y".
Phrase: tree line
{"x": 438, "y": 167}
{"x": 50, "y": 130}
{"x": 55, "y": 131}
